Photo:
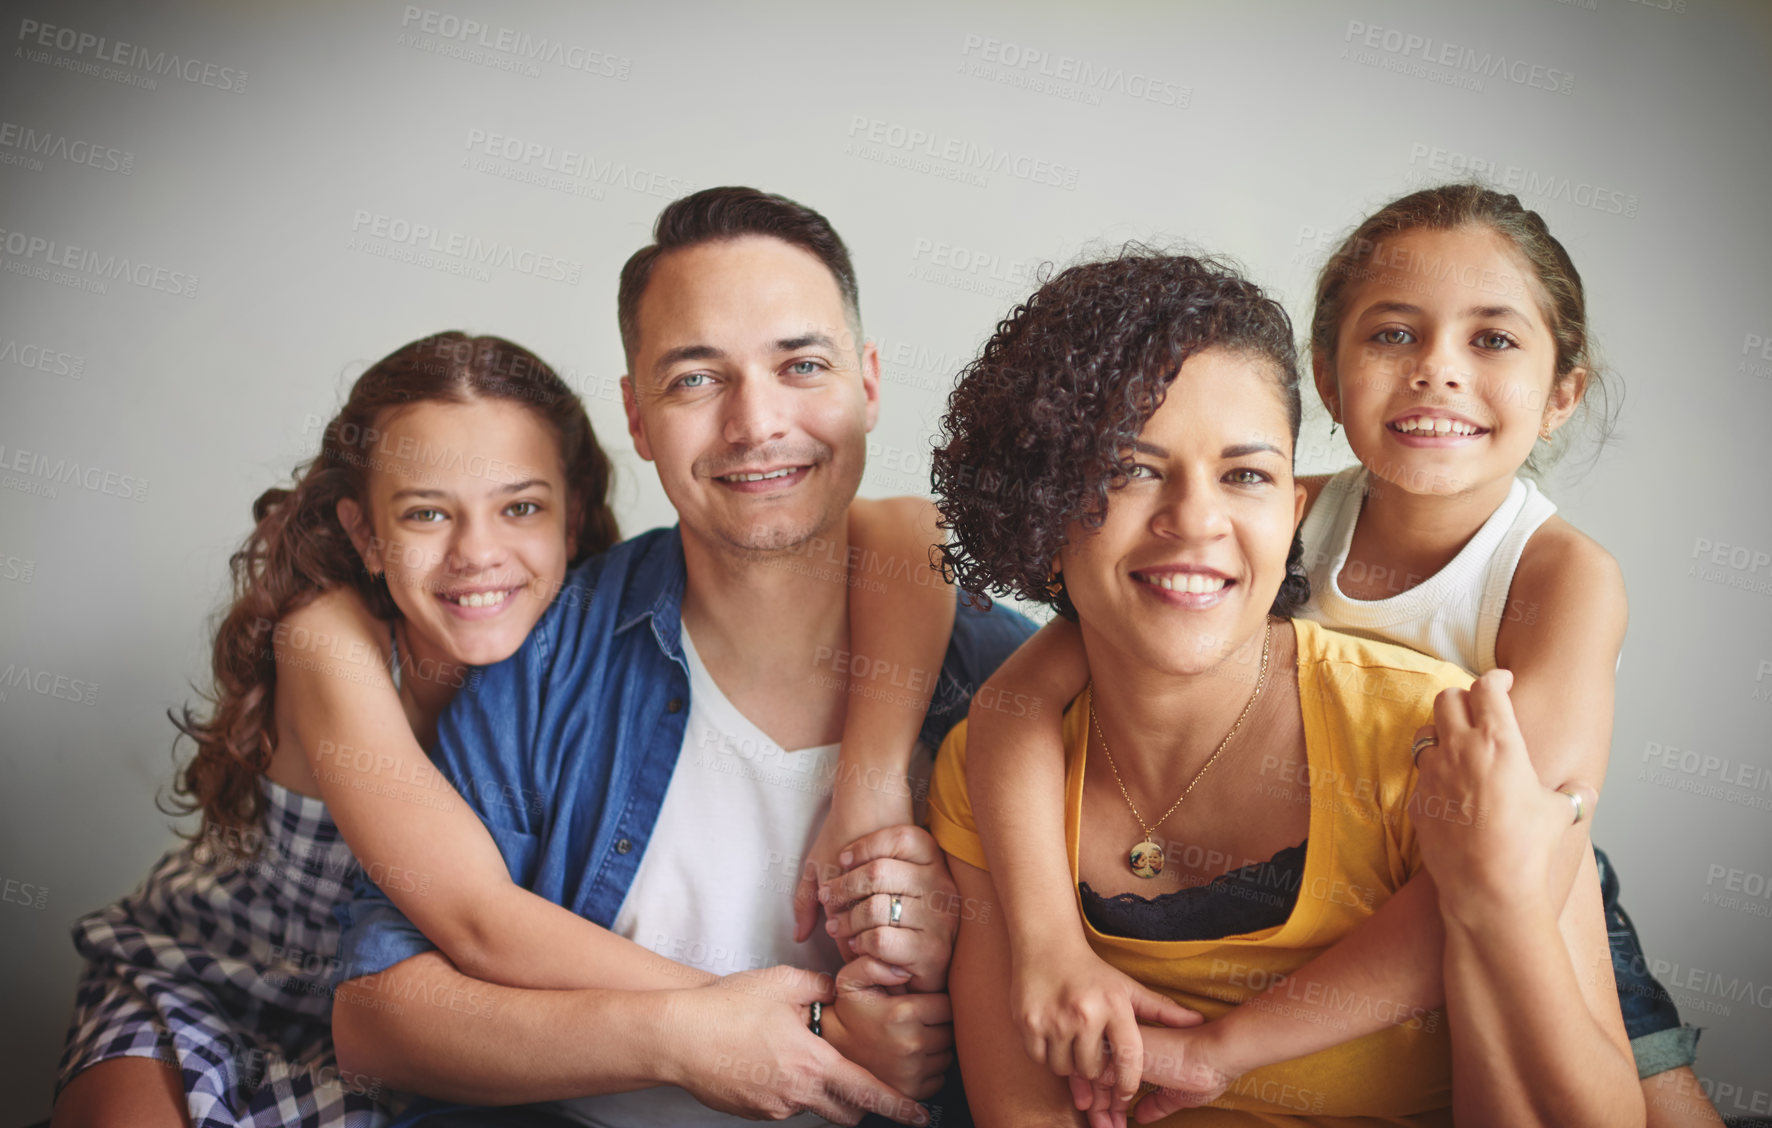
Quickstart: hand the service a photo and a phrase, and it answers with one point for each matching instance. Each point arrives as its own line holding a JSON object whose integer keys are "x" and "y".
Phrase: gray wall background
{"x": 269, "y": 160}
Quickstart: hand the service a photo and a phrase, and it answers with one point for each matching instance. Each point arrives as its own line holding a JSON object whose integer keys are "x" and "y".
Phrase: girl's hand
{"x": 1487, "y": 828}
{"x": 1079, "y": 1017}
{"x": 858, "y": 808}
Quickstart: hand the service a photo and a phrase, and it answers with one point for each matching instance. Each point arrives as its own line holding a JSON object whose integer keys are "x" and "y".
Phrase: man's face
{"x": 748, "y": 393}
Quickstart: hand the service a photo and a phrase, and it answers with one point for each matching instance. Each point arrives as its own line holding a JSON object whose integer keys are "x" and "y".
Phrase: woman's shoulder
{"x": 1364, "y": 675}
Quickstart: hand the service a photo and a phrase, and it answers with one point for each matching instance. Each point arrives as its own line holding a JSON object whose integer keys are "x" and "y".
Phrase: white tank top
{"x": 1454, "y": 614}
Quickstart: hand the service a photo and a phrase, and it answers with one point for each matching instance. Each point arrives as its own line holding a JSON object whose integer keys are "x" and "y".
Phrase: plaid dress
{"x": 221, "y": 964}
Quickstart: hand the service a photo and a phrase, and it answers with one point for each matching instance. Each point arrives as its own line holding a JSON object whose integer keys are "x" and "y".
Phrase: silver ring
{"x": 1421, "y": 743}
{"x": 897, "y": 910}
{"x": 1575, "y": 801}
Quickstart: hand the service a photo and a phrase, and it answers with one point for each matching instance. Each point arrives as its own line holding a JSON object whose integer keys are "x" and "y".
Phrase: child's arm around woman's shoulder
{"x": 901, "y": 614}
{"x": 412, "y": 832}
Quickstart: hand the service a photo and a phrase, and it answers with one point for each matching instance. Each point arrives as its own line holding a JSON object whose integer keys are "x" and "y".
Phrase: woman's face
{"x": 1193, "y": 549}
{"x": 468, "y": 517}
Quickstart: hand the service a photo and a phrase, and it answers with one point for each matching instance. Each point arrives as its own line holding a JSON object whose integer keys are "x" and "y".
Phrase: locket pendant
{"x": 1146, "y": 859}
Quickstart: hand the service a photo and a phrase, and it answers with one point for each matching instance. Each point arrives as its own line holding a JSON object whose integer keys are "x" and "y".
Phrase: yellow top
{"x": 1362, "y": 702}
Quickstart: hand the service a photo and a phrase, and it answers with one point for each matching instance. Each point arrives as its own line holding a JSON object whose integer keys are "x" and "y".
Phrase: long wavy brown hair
{"x": 298, "y": 549}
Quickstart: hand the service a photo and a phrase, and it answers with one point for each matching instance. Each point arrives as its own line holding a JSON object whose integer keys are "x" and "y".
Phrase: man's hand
{"x": 906, "y": 1040}
{"x": 904, "y": 862}
{"x": 857, "y": 810}
{"x": 750, "y": 1053}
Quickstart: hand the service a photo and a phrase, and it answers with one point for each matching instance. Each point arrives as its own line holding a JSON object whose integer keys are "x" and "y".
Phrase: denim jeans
{"x": 1657, "y": 1037}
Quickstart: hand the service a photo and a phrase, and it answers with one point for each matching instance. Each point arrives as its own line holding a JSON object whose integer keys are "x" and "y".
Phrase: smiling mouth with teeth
{"x": 478, "y": 598}
{"x": 1194, "y": 583}
{"x": 761, "y": 477}
{"x": 1423, "y": 425}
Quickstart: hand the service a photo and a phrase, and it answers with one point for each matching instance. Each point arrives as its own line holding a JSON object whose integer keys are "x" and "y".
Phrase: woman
{"x": 1122, "y": 451}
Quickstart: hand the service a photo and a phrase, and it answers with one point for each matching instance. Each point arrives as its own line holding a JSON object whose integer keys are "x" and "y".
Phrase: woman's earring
{"x": 1544, "y": 432}
{"x": 1334, "y": 426}
{"x": 1054, "y": 585}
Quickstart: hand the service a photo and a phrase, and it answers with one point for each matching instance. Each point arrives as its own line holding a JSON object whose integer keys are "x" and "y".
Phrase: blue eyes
{"x": 695, "y": 380}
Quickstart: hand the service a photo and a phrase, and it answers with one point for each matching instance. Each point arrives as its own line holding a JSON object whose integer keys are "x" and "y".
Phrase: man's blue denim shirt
{"x": 565, "y": 749}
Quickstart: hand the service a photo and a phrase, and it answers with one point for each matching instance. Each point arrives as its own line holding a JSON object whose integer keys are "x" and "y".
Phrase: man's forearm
{"x": 424, "y": 1027}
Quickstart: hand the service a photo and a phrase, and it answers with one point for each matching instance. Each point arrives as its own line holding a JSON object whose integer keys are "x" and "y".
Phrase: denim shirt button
{"x": 674, "y": 705}
{"x": 622, "y": 845}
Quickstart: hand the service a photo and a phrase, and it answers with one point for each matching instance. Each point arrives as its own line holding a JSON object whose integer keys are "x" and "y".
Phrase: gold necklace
{"x": 1146, "y": 857}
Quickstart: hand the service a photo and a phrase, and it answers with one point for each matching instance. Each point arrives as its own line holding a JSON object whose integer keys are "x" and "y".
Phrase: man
{"x": 601, "y": 755}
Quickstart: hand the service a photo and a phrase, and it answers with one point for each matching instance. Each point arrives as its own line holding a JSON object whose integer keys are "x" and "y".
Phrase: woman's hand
{"x": 1487, "y": 828}
{"x": 1079, "y": 1017}
{"x": 857, "y": 809}
{"x": 899, "y": 864}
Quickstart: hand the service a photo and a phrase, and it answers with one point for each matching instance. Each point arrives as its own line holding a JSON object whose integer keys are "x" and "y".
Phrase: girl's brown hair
{"x": 297, "y": 548}
{"x": 1446, "y": 208}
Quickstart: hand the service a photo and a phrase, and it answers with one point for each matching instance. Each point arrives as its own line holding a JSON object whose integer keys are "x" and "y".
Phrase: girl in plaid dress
{"x": 451, "y": 493}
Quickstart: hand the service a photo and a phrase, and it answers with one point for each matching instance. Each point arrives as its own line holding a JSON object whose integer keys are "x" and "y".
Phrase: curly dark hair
{"x": 1038, "y": 428}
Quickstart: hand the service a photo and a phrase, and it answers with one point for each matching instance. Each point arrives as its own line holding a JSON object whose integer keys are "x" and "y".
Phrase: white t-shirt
{"x": 715, "y": 887}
